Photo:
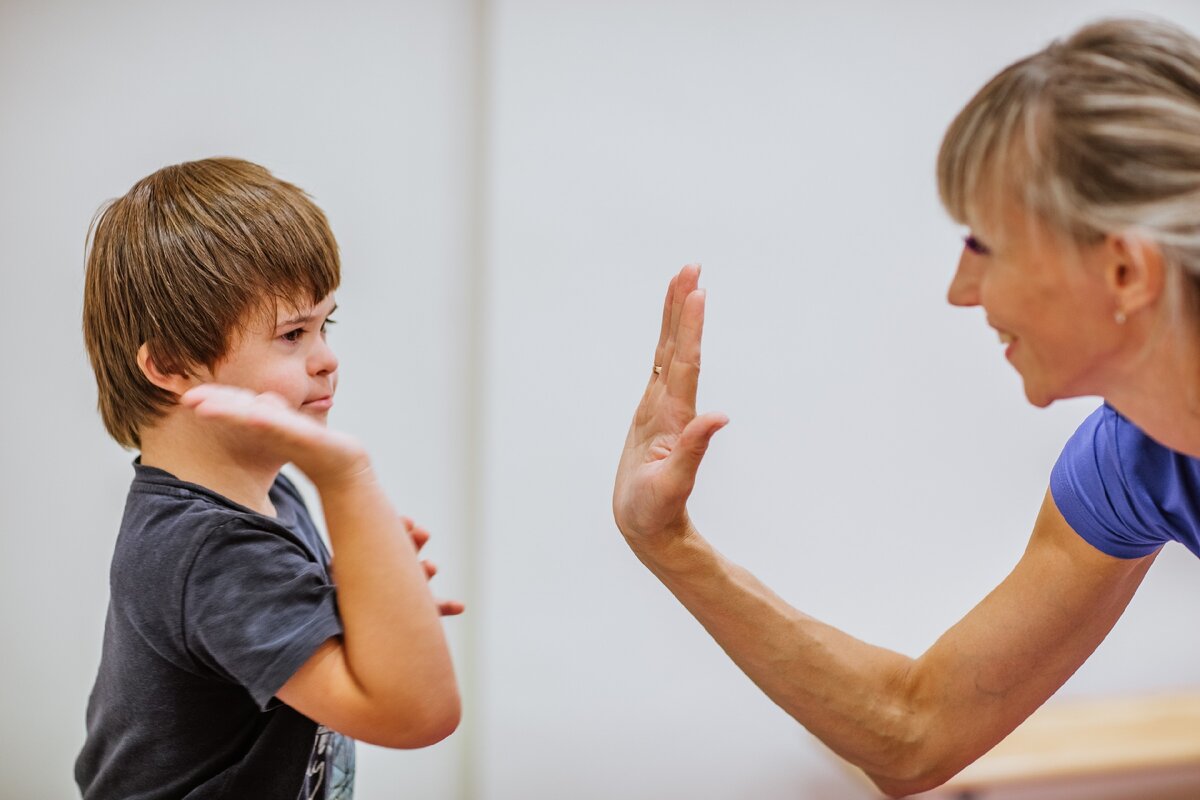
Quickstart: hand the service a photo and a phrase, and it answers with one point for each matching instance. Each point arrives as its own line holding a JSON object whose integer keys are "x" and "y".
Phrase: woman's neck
{"x": 1160, "y": 392}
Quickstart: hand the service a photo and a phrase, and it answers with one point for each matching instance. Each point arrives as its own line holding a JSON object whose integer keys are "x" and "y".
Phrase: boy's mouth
{"x": 318, "y": 404}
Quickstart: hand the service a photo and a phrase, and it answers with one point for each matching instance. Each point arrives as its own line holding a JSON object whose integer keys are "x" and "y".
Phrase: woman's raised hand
{"x": 667, "y": 439}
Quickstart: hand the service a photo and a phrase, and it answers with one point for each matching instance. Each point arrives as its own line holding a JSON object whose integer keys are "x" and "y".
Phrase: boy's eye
{"x": 296, "y": 334}
{"x": 975, "y": 246}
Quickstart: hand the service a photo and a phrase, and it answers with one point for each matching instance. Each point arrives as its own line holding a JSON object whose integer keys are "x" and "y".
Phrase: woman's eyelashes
{"x": 972, "y": 243}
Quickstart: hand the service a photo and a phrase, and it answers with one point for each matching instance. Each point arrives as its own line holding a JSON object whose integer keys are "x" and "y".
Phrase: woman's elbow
{"x": 904, "y": 787}
{"x": 918, "y": 771}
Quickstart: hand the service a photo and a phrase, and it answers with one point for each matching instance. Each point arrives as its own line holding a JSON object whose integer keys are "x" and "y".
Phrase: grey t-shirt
{"x": 213, "y": 607}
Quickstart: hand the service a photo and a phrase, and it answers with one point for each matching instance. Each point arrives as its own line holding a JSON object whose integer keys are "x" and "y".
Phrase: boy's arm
{"x": 389, "y": 679}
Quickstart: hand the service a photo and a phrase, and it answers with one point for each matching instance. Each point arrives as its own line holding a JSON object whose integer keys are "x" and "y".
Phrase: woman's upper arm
{"x": 993, "y": 668}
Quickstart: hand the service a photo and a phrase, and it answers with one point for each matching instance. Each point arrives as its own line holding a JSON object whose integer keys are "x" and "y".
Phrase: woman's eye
{"x": 975, "y": 246}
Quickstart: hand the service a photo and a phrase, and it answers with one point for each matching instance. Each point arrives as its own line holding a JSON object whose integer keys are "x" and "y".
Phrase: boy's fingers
{"x": 215, "y": 393}
{"x": 241, "y": 405}
{"x": 450, "y": 608}
{"x": 275, "y": 400}
{"x": 419, "y": 536}
{"x": 430, "y": 569}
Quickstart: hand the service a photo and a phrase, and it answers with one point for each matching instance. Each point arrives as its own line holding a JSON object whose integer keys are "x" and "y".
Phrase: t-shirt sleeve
{"x": 1097, "y": 485}
{"x": 256, "y": 607}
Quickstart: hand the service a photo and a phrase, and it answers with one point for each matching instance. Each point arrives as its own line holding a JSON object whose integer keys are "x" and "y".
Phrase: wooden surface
{"x": 1082, "y": 738}
{"x": 1087, "y": 739}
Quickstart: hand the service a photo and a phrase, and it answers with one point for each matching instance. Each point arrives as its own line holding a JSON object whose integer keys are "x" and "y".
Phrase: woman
{"x": 1077, "y": 171}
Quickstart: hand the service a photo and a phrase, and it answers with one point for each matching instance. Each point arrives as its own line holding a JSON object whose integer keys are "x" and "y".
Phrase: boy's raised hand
{"x": 326, "y": 456}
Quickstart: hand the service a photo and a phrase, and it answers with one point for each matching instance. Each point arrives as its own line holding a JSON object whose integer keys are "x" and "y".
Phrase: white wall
{"x": 881, "y": 470}
{"x": 371, "y": 112}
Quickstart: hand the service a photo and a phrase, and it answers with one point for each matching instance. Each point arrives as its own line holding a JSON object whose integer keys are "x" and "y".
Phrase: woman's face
{"x": 1048, "y": 300}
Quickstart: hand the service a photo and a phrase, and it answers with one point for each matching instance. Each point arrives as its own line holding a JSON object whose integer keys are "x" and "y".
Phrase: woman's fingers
{"x": 667, "y": 441}
{"x": 684, "y": 377}
{"x": 689, "y": 450}
{"x": 685, "y": 283}
{"x": 670, "y": 396}
{"x": 666, "y": 326}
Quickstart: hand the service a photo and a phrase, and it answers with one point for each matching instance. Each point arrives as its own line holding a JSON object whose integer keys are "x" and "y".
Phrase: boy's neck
{"x": 177, "y": 446}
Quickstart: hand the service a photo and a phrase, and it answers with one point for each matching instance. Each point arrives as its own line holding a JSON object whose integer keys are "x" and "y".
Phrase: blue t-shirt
{"x": 1125, "y": 493}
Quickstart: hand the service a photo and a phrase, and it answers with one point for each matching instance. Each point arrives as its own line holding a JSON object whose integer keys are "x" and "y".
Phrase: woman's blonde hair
{"x": 1098, "y": 133}
{"x": 180, "y": 262}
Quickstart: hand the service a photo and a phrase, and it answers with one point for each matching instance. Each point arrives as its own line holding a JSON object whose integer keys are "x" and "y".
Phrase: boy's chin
{"x": 320, "y": 415}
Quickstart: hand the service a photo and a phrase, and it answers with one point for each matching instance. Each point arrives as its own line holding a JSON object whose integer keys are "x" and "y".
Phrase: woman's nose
{"x": 964, "y": 286}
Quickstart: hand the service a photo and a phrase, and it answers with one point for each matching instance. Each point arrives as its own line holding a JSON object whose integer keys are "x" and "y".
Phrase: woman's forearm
{"x": 857, "y": 698}
{"x": 911, "y": 724}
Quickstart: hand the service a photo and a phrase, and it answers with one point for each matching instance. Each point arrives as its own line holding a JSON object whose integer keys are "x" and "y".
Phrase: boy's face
{"x": 290, "y": 358}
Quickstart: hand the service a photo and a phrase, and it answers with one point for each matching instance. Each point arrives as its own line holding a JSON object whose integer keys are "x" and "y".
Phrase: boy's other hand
{"x": 326, "y": 456}
{"x": 447, "y": 608}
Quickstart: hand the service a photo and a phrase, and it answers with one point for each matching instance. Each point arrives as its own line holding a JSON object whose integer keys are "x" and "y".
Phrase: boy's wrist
{"x": 350, "y": 468}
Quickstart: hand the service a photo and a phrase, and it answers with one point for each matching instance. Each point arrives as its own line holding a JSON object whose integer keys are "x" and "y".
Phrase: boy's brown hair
{"x": 182, "y": 261}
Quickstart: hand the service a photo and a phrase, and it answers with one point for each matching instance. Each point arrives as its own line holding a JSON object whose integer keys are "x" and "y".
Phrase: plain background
{"x": 512, "y": 184}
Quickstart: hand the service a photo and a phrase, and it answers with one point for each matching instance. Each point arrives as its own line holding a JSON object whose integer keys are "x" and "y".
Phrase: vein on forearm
{"x": 855, "y": 697}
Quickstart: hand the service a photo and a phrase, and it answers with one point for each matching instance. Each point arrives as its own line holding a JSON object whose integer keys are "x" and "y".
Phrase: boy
{"x": 234, "y": 665}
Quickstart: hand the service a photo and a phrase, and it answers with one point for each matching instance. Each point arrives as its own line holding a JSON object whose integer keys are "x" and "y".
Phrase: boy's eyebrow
{"x": 303, "y": 319}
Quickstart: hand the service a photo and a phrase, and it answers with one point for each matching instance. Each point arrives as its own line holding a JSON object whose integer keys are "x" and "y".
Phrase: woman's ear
{"x": 176, "y": 383}
{"x": 1136, "y": 273}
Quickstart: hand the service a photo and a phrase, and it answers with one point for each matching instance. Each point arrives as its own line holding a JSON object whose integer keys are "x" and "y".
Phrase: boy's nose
{"x": 322, "y": 361}
{"x": 964, "y": 286}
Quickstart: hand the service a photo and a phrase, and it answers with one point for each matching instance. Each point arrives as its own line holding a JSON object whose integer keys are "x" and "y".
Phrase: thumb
{"x": 693, "y": 444}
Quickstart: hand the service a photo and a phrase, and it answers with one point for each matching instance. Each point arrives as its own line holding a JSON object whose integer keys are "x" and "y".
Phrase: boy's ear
{"x": 173, "y": 382}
